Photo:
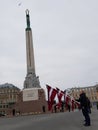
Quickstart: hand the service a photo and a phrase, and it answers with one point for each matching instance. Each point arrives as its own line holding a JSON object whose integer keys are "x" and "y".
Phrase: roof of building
{"x": 8, "y": 85}
{"x": 85, "y": 87}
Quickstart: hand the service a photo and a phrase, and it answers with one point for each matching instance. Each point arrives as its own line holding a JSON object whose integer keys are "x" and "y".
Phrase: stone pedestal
{"x": 31, "y": 101}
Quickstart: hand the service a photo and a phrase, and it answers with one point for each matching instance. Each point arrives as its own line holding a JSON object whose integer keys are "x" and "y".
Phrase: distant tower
{"x": 31, "y": 80}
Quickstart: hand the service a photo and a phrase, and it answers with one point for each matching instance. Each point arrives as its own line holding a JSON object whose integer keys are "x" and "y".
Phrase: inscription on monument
{"x": 30, "y": 94}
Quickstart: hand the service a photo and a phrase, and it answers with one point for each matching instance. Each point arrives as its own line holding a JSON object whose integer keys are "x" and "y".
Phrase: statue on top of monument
{"x": 28, "y": 19}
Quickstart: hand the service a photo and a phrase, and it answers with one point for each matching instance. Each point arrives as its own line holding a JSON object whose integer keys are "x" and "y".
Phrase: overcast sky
{"x": 65, "y": 38}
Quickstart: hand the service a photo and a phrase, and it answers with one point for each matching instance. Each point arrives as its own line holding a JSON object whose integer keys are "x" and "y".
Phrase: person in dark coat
{"x": 85, "y": 108}
{"x": 89, "y": 105}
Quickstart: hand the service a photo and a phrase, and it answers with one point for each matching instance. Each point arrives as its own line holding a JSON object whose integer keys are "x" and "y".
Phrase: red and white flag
{"x": 49, "y": 88}
{"x": 60, "y": 94}
{"x": 67, "y": 100}
{"x": 73, "y": 104}
{"x": 51, "y": 96}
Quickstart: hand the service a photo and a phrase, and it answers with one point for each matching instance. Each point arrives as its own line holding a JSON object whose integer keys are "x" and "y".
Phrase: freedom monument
{"x": 31, "y": 83}
{"x": 32, "y": 99}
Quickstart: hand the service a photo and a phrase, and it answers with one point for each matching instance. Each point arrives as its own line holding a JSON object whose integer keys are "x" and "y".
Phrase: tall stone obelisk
{"x": 31, "y": 80}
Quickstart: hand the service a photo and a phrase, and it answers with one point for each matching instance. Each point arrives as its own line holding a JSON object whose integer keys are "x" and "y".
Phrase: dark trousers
{"x": 86, "y": 115}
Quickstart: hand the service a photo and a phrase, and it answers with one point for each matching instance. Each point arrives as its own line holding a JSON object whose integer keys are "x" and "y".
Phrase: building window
{"x": 6, "y": 106}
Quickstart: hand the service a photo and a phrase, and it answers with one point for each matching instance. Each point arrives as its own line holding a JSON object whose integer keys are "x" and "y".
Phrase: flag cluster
{"x": 68, "y": 100}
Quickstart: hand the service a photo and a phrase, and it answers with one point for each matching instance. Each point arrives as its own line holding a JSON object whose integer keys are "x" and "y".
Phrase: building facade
{"x": 8, "y": 97}
{"x": 91, "y": 92}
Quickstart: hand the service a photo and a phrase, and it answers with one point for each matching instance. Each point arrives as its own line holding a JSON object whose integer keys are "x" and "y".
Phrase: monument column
{"x": 31, "y": 80}
{"x": 32, "y": 98}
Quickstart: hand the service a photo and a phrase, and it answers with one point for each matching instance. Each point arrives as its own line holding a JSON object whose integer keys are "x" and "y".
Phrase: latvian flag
{"x": 60, "y": 94}
{"x": 67, "y": 100}
{"x": 73, "y": 104}
{"x": 51, "y": 95}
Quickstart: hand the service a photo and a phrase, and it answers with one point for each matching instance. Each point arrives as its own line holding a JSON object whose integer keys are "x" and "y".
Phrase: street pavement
{"x": 56, "y": 121}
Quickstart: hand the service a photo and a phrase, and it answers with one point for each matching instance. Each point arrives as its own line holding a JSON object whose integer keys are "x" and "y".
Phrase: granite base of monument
{"x": 31, "y": 101}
